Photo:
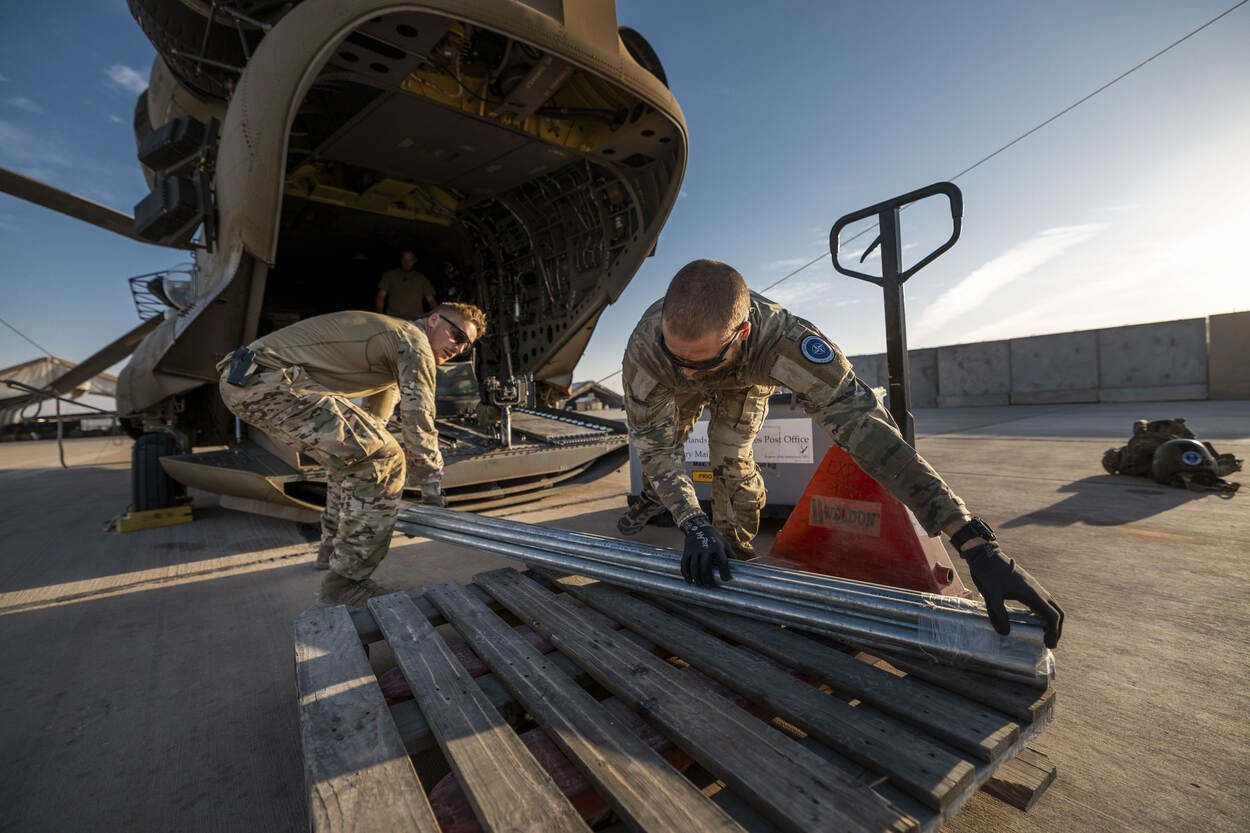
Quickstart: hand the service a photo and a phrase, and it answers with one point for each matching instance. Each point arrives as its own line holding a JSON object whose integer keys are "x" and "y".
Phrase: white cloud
{"x": 3, "y": 78}
{"x": 115, "y": 119}
{"x": 957, "y": 302}
{"x": 851, "y": 259}
{"x": 126, "y": 78}
{"x": 22, "y": 150}
{"x": 785, "y": 264}
{"x": 46, "y": 159}
{"x": 23, "y": 103}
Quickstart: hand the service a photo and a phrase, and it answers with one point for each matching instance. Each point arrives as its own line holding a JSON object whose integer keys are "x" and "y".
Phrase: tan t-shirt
{"x": 406, "y": 293}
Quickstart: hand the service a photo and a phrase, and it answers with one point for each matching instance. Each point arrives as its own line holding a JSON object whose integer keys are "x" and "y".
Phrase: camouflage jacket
{"x": 782, "y": 349}
{"x": 363, "y": 354}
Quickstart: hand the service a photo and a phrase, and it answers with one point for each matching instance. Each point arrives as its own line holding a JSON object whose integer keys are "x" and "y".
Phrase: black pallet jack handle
{"x": 891, "y": 281}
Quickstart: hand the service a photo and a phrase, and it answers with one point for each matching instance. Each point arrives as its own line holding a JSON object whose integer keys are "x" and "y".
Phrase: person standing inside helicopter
{"x": 405, "y": 292}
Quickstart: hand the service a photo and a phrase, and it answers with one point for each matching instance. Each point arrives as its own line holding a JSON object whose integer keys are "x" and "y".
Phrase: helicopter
{"x": 529, "y": 151}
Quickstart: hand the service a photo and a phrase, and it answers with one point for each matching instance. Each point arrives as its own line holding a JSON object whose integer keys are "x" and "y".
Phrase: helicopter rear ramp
{"x": 549, "y": 449}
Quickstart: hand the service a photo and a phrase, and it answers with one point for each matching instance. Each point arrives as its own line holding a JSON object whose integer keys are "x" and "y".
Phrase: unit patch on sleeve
{"x": 816, "y": 350}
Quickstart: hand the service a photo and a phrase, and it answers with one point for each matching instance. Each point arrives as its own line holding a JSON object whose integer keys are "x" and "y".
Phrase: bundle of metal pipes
{"x": 942, "y": 629}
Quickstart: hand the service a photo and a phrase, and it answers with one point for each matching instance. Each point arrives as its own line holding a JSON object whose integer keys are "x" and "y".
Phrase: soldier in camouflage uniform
{"x": 297, "y": 384}
{"x": 712, "y": 343}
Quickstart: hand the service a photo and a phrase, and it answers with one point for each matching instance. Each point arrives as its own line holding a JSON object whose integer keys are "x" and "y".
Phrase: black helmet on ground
{"x": 1183, "y": 457}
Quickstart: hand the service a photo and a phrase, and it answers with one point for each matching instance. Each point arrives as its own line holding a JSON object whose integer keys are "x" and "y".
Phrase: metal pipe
{"x": 1015, "y": 659}
{"x": 957, "y": 622}
{"x": 669, "y": 563}
{"x": 859, "y": 598}
{"x": 872, "y": 599}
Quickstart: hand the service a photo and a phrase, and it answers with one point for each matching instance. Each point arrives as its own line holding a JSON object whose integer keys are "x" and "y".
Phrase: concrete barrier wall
{"x": 1153, "y": 361}
{"x": 871, "y": 369}
{"x": 974, "y": 374}
{"x": 922, "y": 369}
{"x": 1228, "y": 351}
{"x": 1055, "y": 368}
{"x": 1187, "y": 359}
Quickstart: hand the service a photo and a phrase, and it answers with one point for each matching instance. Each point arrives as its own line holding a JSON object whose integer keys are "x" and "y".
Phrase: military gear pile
{"x": 1156, "y": 450}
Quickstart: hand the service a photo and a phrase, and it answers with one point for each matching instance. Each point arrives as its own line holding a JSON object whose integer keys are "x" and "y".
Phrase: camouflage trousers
{"x": 738, "y": 493}
{"x": 364, "y": 462}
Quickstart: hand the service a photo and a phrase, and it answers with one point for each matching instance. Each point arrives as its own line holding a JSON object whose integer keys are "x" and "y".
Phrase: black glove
{"x": 434, "y": 497}
{"x": 705, "y": 548}
{"x": 998, "y": 577}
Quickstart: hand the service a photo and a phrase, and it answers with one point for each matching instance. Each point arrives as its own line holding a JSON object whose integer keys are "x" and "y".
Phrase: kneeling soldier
{"x": 711, "y": 342}
{"x": 297, "y": 384}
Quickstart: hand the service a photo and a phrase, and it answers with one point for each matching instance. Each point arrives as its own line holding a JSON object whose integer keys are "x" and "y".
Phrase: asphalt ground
{"x": 147, "y": 681}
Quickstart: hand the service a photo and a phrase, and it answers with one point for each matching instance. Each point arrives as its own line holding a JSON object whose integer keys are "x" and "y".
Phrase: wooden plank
{"x": 1021, "y": 781}
{"x": 629, "y": 774}
{"x": 414, "y": 729}
{"x": 967, "y": 726}
{"x": 506, "y": 787}
{"x": 788, "y": 784}
{"x": 913, "y": 762}
{"x": 368, "y": 628}
{"x": 1021, "y": 701}
{"x": 356, "y": 771}
{"x": 412, "y": 725}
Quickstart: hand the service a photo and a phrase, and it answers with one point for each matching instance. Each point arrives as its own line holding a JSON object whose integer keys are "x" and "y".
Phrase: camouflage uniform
{"x": 301, "y": 393}
{"x": 662, "y": 404}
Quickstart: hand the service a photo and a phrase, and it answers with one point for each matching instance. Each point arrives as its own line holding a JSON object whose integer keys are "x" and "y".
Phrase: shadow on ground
{"x": 1111, "y": 500}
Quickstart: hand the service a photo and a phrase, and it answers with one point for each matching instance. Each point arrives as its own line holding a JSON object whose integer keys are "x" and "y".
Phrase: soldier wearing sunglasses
{"x": 712, "y": 343}
{"x": 297, "y": 384}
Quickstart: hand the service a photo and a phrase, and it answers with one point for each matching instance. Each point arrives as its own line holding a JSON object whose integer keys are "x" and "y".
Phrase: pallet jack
{"x": 845, "y": 524}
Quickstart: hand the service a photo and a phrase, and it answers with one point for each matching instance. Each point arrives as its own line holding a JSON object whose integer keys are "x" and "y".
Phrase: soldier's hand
{"x": 998, "y": 578}
{"x": 434, "y": 497}
{"x": 706, "y": 549}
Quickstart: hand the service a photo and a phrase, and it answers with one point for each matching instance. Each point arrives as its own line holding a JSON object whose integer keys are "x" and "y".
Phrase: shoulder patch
{"x": 816, "y": 350}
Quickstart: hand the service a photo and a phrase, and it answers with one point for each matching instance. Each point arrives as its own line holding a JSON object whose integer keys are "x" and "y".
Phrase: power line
{"x": 23, "y": 335}
{"x": 1019, "y": 138}
{"x": 1038, "y": 127}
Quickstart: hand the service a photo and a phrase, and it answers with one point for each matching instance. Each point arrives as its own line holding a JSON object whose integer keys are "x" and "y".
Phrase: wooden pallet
{"x": 774, "y": 730}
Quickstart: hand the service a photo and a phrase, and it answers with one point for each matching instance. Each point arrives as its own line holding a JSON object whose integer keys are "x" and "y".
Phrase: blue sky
{"x": 1131, "y": 208}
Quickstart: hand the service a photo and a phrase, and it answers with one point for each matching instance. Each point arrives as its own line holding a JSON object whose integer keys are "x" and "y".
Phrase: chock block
{"x": 847, "y": 525}
{"x": 150, "y": 518}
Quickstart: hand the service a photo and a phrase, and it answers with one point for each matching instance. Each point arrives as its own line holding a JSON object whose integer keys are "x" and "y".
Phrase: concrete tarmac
{"x": 146, "y": 679}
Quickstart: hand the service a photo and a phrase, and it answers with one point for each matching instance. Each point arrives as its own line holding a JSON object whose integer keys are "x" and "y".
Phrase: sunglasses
{"x": 707, "y": 364}
{"x": 458, "y": 336}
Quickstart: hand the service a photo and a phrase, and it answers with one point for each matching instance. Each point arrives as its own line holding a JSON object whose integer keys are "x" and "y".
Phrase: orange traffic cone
{"x": 846, "y": 525}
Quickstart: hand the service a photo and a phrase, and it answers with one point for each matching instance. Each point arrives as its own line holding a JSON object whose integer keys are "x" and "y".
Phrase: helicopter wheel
{"x": 150, "y": 486}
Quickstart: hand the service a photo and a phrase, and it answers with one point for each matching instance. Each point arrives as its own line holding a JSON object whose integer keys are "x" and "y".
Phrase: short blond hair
{"x": 705, "y": 296}
{"x": 468, "y": 313}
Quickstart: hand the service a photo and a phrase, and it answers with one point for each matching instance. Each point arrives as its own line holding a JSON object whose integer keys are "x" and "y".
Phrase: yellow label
{"x": 701, "y": 476}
